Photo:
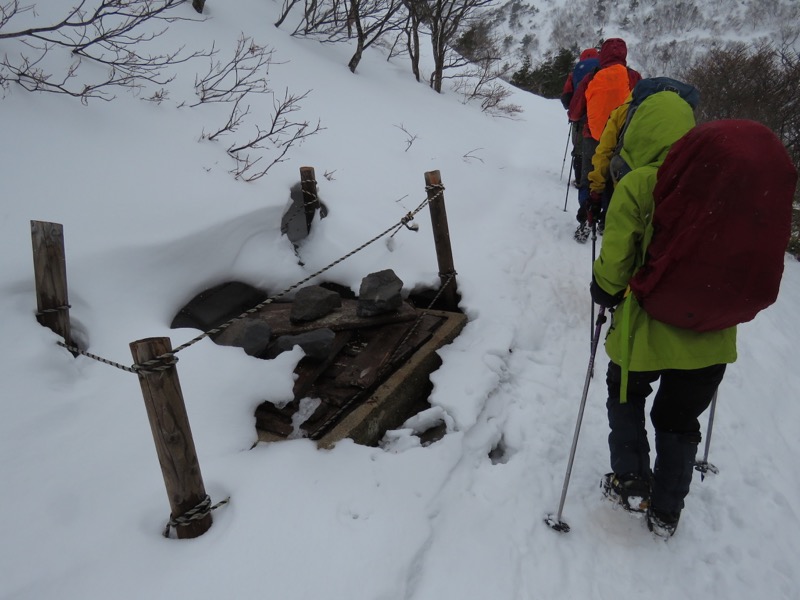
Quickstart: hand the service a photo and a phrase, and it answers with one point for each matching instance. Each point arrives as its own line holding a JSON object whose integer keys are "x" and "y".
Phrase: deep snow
{"x": 152, "y": 216}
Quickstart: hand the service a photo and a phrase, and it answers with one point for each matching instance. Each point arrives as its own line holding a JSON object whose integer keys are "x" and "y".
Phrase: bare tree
{"x": 372, "y": 19}
{"x": 446, "y": 18}
{"x": 482, "y": 80}
{"x": 107, "y": 32}
{"x": 415, "y": 11}
{"x": 758, "y": 82}
{"x": 333, "y": 21}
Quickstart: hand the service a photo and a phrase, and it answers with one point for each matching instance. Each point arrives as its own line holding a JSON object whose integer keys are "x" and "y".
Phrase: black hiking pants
{"x": 577, "y": 149}
{"x": 682, "y": 396}
{"x": 588, "y": 147}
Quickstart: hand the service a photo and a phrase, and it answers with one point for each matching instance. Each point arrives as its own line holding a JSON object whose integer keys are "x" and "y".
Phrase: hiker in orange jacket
{"x": 597, "y": 95}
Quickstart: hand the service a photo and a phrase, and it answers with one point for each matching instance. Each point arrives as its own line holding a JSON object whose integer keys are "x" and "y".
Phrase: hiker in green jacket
{"x": 689, "y": 365}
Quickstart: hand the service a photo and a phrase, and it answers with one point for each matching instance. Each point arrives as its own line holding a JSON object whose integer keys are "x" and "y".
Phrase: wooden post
{"x": 169, "y": 423}
{"x": 50, "y": 272}
{"x": 441, "y": 237}
{"x": 198, "y": 5}
{"x": 310, "y": 199}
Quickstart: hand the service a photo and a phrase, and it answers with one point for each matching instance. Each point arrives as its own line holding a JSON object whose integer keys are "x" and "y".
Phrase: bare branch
{"x": 110, "y": 34}
{"x": 281, "y": 136}
{"x": 410, "y": 139}
{"x": 246, "y": 72}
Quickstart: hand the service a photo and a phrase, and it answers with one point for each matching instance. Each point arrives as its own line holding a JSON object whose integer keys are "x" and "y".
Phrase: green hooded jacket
{"x": 636, "y": 341}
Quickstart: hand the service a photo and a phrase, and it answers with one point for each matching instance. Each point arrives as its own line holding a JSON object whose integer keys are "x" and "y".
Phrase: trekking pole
{"x": 703, "y": 465}
{"x": 569, "y": 183}
{"x": 555, "y": 522}
{"x": 563, "y": 162}
{"x": 594, "y": 257}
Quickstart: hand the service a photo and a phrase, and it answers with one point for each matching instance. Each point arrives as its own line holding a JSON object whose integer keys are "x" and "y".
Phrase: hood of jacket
{"x": 614, "y": 51}
{"x": 659, "y": 121}
{"x": 589, "y": 53}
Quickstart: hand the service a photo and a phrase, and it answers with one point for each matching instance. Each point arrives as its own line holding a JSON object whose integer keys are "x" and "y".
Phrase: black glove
{"x": 594, "y": 207}
{"x": 603, "y": 298}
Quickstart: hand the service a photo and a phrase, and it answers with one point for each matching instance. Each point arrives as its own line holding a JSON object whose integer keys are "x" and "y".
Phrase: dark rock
{"x": 317, "y": 344}
{"x": 313, "y": 302}
{"x": 217, "y": 305}
{"x": 250, "y": 334}
{"x": 379, "y": 294}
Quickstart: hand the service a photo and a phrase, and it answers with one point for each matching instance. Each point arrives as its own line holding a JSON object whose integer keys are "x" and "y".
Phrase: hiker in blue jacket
{"x": 588, "y": 61}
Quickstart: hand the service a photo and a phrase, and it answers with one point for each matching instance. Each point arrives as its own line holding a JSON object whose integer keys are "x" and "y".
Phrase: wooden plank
{"x": 388, "y": 405}
{"x": 276, "y": 420}
{"x": 276, "y": 315}
{"x": 364, "y": 369}
{"x": 309, "y": 370}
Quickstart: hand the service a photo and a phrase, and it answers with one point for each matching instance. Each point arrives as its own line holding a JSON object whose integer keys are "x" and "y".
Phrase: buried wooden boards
{"x": 369, "y": 386}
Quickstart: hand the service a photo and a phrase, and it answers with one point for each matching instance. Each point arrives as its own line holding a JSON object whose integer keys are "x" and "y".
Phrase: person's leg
{"x": 627, "y": 440}
{"x": 681, "y": 398}
{"x": 587, "y": 151}
{"x": 577, "y": 143}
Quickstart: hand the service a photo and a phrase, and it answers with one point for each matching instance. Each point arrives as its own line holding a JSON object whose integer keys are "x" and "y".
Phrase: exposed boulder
{"x": 249, "y": 334}
{"x": 379, "y": 293}
{"x": 217, "y": 305}
{"x": 313, "y": 302}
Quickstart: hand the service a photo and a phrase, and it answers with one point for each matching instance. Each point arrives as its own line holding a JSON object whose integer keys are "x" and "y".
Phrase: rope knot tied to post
{"x": 194, "y": 514}
{"x": 159, "y": 363}
{"x": 57, "y": 309}
{"x": 432, "y": 187}
{"x": 407, "y": 219}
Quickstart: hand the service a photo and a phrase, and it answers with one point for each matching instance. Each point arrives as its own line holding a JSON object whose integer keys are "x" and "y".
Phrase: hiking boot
{"x": 629, "y": 491}
{"x": 582, "y": 233}
{"x": 601, "y": 226}
{"x": 662, "y": 524}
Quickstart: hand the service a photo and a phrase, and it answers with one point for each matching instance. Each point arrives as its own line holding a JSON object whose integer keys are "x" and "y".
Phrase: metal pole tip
{"x": 556, "y": 524}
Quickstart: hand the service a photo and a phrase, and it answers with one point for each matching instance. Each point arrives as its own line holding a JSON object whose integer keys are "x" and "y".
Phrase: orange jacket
{"x": 601, "y": 92}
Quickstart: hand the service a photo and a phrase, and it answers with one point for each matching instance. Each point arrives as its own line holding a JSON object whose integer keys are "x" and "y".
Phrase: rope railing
{"x": 166, "y": 361}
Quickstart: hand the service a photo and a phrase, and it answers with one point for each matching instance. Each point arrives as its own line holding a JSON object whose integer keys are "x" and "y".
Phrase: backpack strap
{"x": 626, "y": 347}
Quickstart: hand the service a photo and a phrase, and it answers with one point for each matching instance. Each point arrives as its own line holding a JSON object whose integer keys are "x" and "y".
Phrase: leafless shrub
{"x": 468, "y": 156}
{"x": 758, "y": 82}
{"x": 112, "y": 33}
{"x": 281, "y": 134}
{"x": 246, "y": 72}
{"x": 410, "y": 138}
{"x": 236, "y": 82}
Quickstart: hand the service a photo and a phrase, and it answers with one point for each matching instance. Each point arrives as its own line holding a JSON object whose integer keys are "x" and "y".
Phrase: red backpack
{"x": 722, "y": 220}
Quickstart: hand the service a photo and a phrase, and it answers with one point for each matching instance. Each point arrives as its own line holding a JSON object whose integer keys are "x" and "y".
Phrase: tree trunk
{"x": 355, "y": 18}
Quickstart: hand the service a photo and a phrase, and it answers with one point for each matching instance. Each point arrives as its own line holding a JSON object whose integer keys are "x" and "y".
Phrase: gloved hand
{"x": 594, "y": 207}
{"x": 603, "y": 298}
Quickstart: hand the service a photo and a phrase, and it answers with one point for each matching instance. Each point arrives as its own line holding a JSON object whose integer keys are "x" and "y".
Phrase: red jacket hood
{"x": 589, "y": 53}
{"x": 614, "y": 51}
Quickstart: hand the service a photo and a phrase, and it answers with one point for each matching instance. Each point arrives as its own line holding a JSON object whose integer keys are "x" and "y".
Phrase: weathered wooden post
{"x": 172, "y": 434}
{"x": 441, "y": 238}
{"x": 198, "y": 5}
{"x": 308, "y": 183}
{"x": 50, "y": 273}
